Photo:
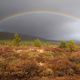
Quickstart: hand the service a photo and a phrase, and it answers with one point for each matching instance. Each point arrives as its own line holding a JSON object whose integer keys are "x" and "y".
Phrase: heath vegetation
{"x": 39, "y": 60}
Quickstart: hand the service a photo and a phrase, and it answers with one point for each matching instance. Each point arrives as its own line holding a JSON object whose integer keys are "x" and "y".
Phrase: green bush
{"x": 37, "y": 43}
{"x": 16, "y": 40}
{"x": 70, "y": 45}
{"x": 63, "y": 44}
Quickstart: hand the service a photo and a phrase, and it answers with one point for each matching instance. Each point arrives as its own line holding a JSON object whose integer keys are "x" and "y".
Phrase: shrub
{"x": 16, "y": 40}
{"x": 70, "y": 46}
{"x": 63, "y": 44}
{"x": 47, "y": 72}
{"x": 37, "y": 43}
{"x": 32, "y": 69}
{"x": 61, "y": 66}
{"x": 74, "y": 58}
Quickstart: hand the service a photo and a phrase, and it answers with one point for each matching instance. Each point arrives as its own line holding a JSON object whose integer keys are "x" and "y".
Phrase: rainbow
{"x": 40, "y": 12}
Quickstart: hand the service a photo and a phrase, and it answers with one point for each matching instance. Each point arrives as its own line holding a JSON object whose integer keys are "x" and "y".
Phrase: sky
{"x": 49, "y": 19}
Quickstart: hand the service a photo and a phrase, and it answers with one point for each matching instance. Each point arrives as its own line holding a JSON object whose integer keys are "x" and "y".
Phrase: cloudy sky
{"x": 50, "y": 19}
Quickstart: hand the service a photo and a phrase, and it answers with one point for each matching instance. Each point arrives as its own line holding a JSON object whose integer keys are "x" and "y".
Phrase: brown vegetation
{"x": 38, "y": 62}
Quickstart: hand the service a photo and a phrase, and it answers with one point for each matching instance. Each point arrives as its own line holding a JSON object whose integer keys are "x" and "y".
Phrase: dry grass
{"x": 38, "y": 63}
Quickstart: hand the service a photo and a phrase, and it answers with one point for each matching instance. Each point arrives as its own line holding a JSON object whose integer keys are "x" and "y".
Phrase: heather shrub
{"x": 33, "y": 69}
{"x": 75, "y": 58}
{"x": 77, "y": 70}
{"x": 47, "y": 72}
{"x": 2, "y": 64}
{"x": 24, "y": 68}
{"x": 61, "y": 66}
{"x": 48, "y": 55}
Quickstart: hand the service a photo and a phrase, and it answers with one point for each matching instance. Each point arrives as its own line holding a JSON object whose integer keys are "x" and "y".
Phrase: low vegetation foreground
{"x": 38, "y": 60}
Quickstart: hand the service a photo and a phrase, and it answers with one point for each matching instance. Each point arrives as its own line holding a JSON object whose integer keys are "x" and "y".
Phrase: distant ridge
{"x": 8, "y": 35}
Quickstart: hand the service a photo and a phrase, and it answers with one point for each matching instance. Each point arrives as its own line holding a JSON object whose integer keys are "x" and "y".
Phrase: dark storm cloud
{"x": 50, "y": 26}
{"x": 45, "y": 25}
{"x": 10, "y": 7}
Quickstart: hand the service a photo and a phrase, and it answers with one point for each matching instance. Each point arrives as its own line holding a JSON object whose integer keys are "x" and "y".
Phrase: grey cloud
{"x": 10, "y": 7}
{"x": 49, "y": 26}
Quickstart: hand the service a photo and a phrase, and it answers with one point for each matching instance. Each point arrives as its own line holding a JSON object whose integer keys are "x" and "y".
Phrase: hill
{"x": 8, "y": 35}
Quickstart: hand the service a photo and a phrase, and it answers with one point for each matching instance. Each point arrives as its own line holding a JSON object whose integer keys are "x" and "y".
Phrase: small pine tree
{"x": 37, "y": 43}
{"x": 17, "y": 39}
